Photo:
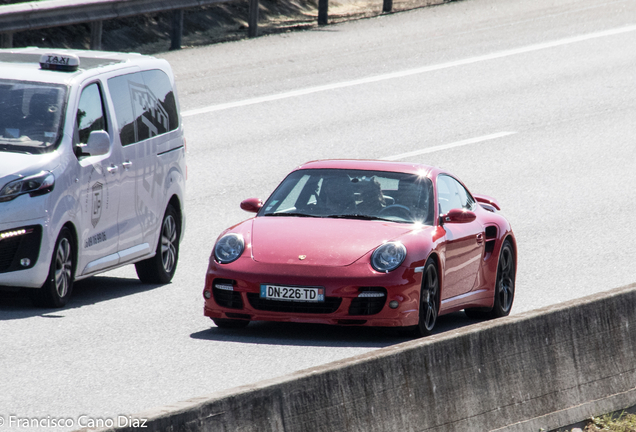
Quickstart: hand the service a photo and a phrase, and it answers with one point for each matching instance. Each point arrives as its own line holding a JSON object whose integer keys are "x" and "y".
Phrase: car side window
{"x": 90, "y": 114}
{"x": 452, "y": 195}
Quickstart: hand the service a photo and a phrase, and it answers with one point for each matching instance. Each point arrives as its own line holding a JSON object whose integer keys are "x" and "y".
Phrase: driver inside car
{"x": 414, "y": 197}
{"x": 371, "y": 195}
{"x": 336, "y": 196}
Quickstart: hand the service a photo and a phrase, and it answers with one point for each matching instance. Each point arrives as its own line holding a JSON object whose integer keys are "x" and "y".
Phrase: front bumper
{"x": 344, "y": 289}
{"x": 21, "y": 257}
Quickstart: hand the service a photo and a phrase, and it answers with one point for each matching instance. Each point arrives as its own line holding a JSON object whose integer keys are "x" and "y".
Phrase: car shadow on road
{"x": 301, "y": 334}
{"x": 17, "y": 304}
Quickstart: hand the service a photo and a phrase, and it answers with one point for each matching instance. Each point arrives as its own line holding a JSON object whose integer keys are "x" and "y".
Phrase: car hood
{"x": 322, "y": 242}
{"x": 14, "y": 165}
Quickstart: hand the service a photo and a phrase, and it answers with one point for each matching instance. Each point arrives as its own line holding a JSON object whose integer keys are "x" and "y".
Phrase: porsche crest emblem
{"x": 302, "y": 257}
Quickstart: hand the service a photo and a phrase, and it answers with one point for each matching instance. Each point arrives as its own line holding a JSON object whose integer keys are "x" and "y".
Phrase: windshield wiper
{"x": 290, "y": 214}
{"x": 13, "y": 149}
{"x": 359, "y": 216}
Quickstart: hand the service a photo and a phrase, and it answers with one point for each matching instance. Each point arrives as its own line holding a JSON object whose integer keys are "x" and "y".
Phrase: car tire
{"x": 58, "y": 287}
{"x": 505, "y": 283}
{"x": 160, "y": 269}
{"x": 429, "y": 300}
{"x": 504, "y": 287}
{"x": 230, "y": 323}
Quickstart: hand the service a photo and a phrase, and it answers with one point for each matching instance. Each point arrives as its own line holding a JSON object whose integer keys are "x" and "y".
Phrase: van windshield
{"x": 31, "y": 116}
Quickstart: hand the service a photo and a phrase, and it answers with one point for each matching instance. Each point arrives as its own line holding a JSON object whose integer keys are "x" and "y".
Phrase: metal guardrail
{"x": 55, "y": 13}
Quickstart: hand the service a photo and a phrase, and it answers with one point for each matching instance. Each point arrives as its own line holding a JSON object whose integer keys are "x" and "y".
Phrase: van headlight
{"x": 229, "y": 248}
{"x": 38, "y": 184}
{"x": 388, "y": 257}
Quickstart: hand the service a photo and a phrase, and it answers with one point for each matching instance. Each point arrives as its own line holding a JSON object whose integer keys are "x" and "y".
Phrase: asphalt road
{"x": 529, "y": 101}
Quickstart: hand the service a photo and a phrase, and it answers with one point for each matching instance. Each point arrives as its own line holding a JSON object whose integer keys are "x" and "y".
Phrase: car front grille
{"x": 226, "y": 298}
{"x": 19, "y": 248}
{"x": 368, "y": 305}
{"x": 330, "y": 305}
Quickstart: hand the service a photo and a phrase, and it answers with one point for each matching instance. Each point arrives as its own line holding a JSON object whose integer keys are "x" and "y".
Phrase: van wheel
{"x": 59, "y": 284}
{"x": 161, "y": 268}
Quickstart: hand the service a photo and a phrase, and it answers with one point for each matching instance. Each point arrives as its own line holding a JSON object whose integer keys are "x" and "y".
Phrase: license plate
{"x": 300, "y": 294}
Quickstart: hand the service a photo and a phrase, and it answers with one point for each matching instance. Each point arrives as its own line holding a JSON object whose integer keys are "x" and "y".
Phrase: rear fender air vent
{"x": 491, "y": 239}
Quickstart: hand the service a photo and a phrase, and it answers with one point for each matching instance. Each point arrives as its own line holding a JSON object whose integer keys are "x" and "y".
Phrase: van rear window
{"x": 145, "y": 105}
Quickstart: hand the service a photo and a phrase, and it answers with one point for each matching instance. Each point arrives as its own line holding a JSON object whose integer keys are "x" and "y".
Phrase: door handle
{"x": 112, "y": 169}
{"x": 127, "y": 165}
{"x": 480, "y": 238}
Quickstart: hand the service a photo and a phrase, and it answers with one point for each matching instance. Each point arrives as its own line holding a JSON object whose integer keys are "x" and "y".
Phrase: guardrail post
{"x": 6, "y": 40}
{"x": 387, "y": 6}
{"x": 252, "y": 20}
{"x": 177, "y": 30}
{"x": 323, "y": 12}
{"x": 96, "y": 35}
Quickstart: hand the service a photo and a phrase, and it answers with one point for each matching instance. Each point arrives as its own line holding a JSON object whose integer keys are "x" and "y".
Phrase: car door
{"x": 464, "y": 245}
{"x": 127, "y": 115}
{"x": 139, "y": 100}
{"x": 100, "y": 187}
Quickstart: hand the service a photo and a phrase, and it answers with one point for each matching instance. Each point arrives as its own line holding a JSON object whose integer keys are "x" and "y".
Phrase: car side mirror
{"x": 252, "y": 205}
{"x": 98, "y": 144}
{"x": 458, "y": 216}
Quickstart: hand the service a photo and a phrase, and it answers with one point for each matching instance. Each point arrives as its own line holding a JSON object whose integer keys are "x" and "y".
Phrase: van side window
{"x": 145, "y": 105}
{"x": 90, "y": 114}
{"x": 159, "y": 83}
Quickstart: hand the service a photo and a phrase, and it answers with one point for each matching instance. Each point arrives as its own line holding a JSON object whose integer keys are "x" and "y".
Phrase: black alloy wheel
{"x": 504, "y": 287}
{"x": 429, "y": 300}
{"x": 505, "y": 283}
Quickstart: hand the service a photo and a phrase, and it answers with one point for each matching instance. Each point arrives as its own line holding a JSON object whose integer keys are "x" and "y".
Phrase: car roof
{"x": 373, "y": 165}
{"x": 24, "y": 63}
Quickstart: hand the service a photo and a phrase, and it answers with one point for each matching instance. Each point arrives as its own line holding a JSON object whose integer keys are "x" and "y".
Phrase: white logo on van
{"x": 97, "y": 203}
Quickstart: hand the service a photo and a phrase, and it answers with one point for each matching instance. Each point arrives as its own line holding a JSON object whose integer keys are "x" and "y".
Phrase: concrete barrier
{"x": 539, "y": 370}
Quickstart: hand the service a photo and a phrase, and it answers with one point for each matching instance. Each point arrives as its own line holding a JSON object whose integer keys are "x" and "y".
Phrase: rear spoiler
{"x": 489, "y": 203}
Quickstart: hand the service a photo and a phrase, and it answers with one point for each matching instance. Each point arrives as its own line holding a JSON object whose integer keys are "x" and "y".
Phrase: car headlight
{"x": 38, "y": 184}
{"x": 229, "y": 248}
{"x": 388, "y": 257}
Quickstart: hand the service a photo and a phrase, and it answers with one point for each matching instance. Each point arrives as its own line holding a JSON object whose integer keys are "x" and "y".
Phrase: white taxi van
{"x": 92, "y": 169}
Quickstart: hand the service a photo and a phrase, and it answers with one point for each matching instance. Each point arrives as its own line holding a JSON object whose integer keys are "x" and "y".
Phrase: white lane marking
{"x": 409, "y": 72}
{"x": 449, "y": 146}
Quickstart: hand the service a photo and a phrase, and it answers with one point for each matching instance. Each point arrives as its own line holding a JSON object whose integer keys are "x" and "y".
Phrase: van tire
{"x": 161, "y": 268}
{"x": 58, "y": 287}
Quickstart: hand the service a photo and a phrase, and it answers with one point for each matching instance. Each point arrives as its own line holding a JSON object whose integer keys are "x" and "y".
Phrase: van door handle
{"x": 480, "y": 238}
{"x": 127, "y": 165}
{"x": 112, "y": 169}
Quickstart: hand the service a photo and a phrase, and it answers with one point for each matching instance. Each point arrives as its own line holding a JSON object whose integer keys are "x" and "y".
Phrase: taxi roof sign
{"x": 53, "y": 61}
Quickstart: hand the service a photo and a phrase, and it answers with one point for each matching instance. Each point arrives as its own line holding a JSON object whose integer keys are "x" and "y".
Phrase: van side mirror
{"x": 252, "y": 205}
{"x": 98, "y": 144}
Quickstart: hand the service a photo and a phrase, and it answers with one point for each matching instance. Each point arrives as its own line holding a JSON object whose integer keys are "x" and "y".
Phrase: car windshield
{"x": 30, "y": 116}
{"x": 353, "y": 194}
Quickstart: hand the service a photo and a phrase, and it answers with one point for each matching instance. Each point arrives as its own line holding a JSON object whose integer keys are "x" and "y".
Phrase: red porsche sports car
{"x": 365, "y": 243}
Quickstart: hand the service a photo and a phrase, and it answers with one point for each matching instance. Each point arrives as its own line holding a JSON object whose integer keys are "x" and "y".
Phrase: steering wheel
{"x": 396, "y": 210}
